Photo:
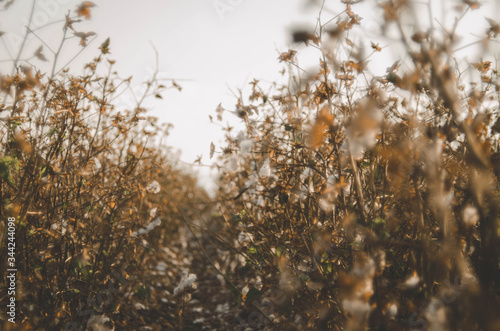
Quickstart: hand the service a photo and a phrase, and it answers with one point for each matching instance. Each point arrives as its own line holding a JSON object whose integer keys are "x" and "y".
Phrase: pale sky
{"x": 212, "y": 44}
{"x": 211, "y": 49}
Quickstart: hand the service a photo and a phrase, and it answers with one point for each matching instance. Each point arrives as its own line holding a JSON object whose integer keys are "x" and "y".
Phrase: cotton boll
{"x": 365, "y": 268}
{"x": 347, "y": 188}
{"x": 153, "y": 187}
{"x": 265, "y": 170}
{"x": 454, "y": 145}
{"x": 222, "y": 308}
{"x": 369, "y": 139}
{"x": 362, "y": 130}
{"x": 436, "y": 315}
{"x": 326, "y": 206}
{"x": 232, "y": 164}
{"x": 303, "y": 192}
{"x": 97, "y": 164}
{"x": 241, "y": 136}
{"x": 361, "y": 142}
{"x": 252, "y": 180}
{"x": 245, "y": 237}
{"x": 246, "y": 146}
{"x": 392, "y": 310}
{"x": 187, "y": 283}
{"x": 380, "y": 259}
{"x": 199, "y": 320}
{"x": 356, "y": 149}
{"x": 357, "y": 308}
{"x": 412, "y": 281}
{"x": 148, "y": 228}
{"x": 139, "y": 306}
{"x": 258, "y": 283}
{"x": 161, "y": 266}
{"x": 306, "y": 174}
{"x": 330, "y": 182}
{"x": 470, "y": 216}
{"x": 310, "y": 188}
{"x": 100, "y": 323}
{"x": 461, "y": 112}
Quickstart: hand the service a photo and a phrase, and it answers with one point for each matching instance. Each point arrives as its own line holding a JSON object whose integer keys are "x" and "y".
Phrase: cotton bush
{"x": 367, "y": 196}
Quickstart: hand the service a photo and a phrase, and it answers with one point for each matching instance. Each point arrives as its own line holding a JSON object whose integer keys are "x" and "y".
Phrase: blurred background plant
{"x": 369, "y": 202}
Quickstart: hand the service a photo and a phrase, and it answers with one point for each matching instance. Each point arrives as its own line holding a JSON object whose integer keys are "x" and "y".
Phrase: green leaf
{"x": 15, "y": 124}
{"x": 324, "y": 257}
{"x": 5, "y": 163}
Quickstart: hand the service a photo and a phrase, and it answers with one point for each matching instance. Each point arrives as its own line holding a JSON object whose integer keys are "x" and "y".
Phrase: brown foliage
{"x": 369, "y": 205}
{"x": 92, "y": 193}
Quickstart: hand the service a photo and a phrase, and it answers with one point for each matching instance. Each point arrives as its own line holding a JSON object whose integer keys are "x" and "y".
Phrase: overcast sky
{"x": 210, "y": 45}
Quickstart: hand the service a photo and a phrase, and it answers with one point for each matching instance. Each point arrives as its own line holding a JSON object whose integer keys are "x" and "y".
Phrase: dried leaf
{"x": 69, "y": 23}
{"x": 376, "y": 47}
{"x": 323, "y": 121}
{"x": 40, "y": 55}
{"x": 212, "y": 150}
{"x": 394, "y": 67}
{"x": 494, "y": 29}
{"x": 219, "y": 110}
{"x": 473, "y": 4}
{"x": 287, "y": 56}
{"x": 105, "y": 47}
{"x": 83, "y": 37}
{"x": 84, "y": 9}
{"x": 482, "y": 66}
{"x": 305, "y": 37}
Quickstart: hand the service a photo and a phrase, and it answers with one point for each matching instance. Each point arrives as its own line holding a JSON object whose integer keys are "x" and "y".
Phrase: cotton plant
{"x": 100, "y": 323}
{"x": 183, "y": 292}
{"x": 148, "y": 228}
{"x": 376, "y": 184}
